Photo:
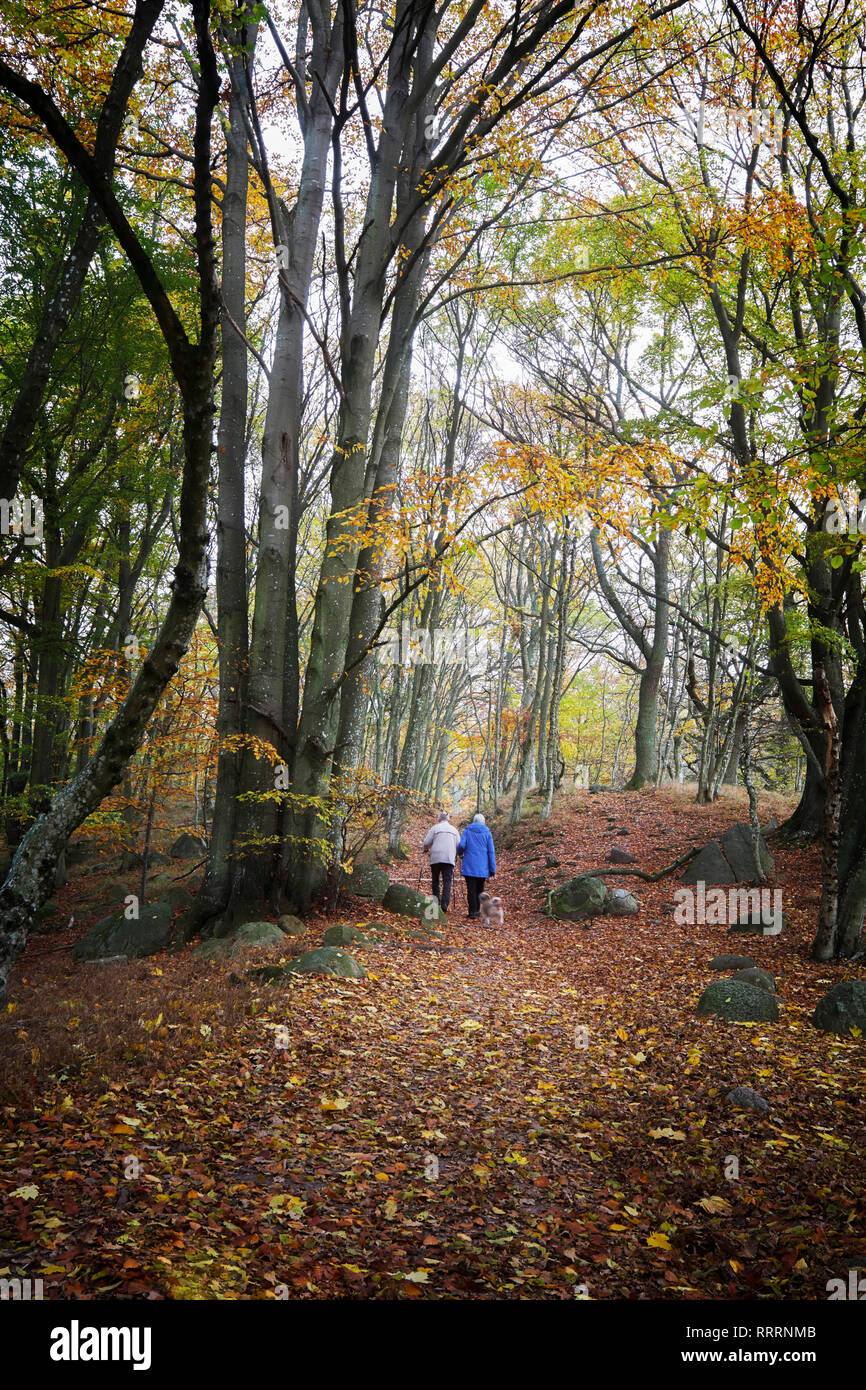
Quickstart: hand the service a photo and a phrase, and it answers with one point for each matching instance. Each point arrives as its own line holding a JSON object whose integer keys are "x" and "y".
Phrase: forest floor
{"x": 160, "y": 1141}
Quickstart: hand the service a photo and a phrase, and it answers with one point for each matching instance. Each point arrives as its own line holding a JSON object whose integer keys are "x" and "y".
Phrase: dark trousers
{"x": 474, "y": 889}
{"x": 447, "y": 872}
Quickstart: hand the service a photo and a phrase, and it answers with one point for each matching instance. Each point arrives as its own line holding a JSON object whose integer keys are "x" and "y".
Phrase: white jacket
{"x": 441, "y": 841}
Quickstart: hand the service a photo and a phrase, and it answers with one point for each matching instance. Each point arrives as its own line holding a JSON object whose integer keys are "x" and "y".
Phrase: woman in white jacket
{"x": 441, "y": 840}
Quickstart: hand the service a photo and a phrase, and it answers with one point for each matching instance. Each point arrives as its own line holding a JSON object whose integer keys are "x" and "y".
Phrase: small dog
{"x": 492, "y": 911}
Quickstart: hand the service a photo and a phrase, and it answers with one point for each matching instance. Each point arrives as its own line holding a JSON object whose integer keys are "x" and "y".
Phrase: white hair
{"x": 443, "y": 815}
{"x": 478, "y": 816}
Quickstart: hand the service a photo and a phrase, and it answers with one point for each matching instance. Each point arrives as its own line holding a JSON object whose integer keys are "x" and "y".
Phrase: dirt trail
{"x": 532, "y": 1111}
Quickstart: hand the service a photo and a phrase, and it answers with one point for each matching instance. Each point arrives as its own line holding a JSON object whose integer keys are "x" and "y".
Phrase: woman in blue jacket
{"x": 478, "y": 861}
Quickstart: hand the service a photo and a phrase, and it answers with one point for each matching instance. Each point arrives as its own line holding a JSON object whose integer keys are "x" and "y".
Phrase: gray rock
{"x": 217, "y": 948}
{"x": 118, "y": 936}
{"x": 367, "y": 881}
{"x": 842, "y": 1008}
{"x": 755, "y": 924}
{"x": 408, "y": 902}
{"x": 737, "y": 849}
{"x": 328, "y": 960}
{"x": 620, "y": 903}
{"x": 551, "y": 862}
{"x": 753, "y": 975}
{"x": 744, "y": 1098}
{"x": 188, "y": 846}
{"x": 131, "y": 861}
{"x": 253, "y": 935}
{"x": 709, "y": 866}
{"x": 738, "y": 1002}
{"x": 342, "y": 935}
{"x": 620, "y": 856}
{"x": 731, "y": 963}
{"x": 292, "y": 926}
{"x": 577, "y": 898}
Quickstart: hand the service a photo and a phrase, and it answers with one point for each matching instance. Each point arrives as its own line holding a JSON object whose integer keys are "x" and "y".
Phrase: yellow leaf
{"x": 666, "y": 1133}
{"x": 340, "y": 1103}
{"x": 622, "y": 1034}
{"x": 418, "y": 1276}
{"x": 390, "y": 1209}
{"x": 658, "y": 1240}
{"x": 716, "y": 1206}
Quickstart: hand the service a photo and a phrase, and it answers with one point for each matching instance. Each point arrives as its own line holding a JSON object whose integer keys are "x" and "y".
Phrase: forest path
{"x": 535, "y": 1111}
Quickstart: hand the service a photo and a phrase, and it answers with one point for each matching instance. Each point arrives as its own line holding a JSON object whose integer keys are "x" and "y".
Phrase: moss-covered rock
{"x": 292, "y": 926}
{"x": 577, "y": 898}
{"x": 842, "y": 1008}
{"x": 408, "y": 902}
{"x": 328, "y": 960}
{"x": 342, "y": 935}
{"x": 367, "y": 881}
{"x": 119, "y": 936}
{"x": 753, "y": 975}
{"x": 739, "y": 1002}
{"x": 731, "y": 962}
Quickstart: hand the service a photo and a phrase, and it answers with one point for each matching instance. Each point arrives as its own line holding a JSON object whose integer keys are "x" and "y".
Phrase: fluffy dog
{"x": 492, "y": 911}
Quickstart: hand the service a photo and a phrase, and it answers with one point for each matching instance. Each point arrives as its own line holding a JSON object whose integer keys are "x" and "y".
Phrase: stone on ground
{"x": 709, "y": 866}
{"x": 188, "y": 846}
{"x": 118, "y": 936}
{"x": 744, "y": 1098}
{"x": 842, "y": 1008}
{"x": 367, "y": 881}
{"x": 738, "y": 1002}
{"x": 753, "y": 975}
{"x": 292, "y": 926}
{"x": 737, "y": 849}
{"x": 618, "y": 902}
{"x": 620, "y": 856}
{"x": 328, "y": 960}
{"x": 731, "y": 962}
{"x": 408, "y": 902}
{"x": 340, "y": 934}
{"x": 577, "y": 898}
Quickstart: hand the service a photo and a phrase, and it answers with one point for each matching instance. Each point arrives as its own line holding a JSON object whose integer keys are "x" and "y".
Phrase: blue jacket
{"x": 479, "y": 856}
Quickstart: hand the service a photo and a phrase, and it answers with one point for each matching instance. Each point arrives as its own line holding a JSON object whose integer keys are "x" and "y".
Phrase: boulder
{"x": 709, "y": 866}
{"x": 551, "y": 862}
{"x": 620, "y": 856}
{"x": 618, "y": 902}
{"x": 217, "y": 948}
{"x": 342, "y": 935}
{"x": 408, "y": 902}
{"x": 737, "y": 849}
{"x": 254, "y": 935}
{"x": 119, "y": 936}
{"x": 367, "y": 881}
{"x": 738, "y": 1002}
{"x": 131, "y": 860}
{"x": 188, "y": 846}
{"x": 842, "y": 1008}
{"x": 731, "y": 963}
{"x": 753, "y": 975}
{"x": 577, "y": 898}
{"x": 328, "y": 960}
{"x": 292, "y": 926}
{"x": 744, "y": 1098}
